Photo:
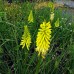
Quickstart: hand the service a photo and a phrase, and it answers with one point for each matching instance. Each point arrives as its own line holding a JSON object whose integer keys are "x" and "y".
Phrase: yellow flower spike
{"x": 57, "y": 23}
{"x": 30, "y": 17}
{"x": 26, "y": 38}
{"x": 51, "y": 16}
{"x": 51, "y": 5}
{"x": 43, "y": 39}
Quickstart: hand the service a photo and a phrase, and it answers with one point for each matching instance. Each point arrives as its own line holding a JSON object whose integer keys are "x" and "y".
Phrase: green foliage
{"x": 14, "y": 59}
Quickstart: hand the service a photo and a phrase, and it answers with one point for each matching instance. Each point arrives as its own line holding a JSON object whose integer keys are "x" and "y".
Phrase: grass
{"x": 15, "y": 60}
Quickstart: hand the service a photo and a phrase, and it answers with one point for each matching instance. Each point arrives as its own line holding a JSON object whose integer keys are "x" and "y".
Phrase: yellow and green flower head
{"x": 26, "y": 38}
{"x": 43, "y": 39}
{"x": 57, "y": 23}
{"x": 30, "y": 17}
{"x": 51, "y": 16}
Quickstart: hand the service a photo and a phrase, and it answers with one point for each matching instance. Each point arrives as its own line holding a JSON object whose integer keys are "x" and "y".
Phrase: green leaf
{"x": 0, "y": 19}
{"x": 16, "y": 47}
{"x": 2, "y": 14}
{"x": 56, "y": 64}
{"x": 1, "y": 50}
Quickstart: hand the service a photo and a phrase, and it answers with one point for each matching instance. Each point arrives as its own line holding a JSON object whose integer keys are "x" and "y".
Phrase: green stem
{"x": 38, "y": 65}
